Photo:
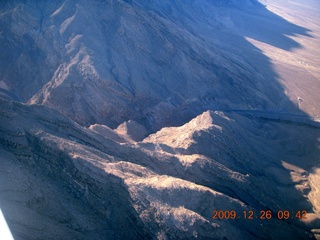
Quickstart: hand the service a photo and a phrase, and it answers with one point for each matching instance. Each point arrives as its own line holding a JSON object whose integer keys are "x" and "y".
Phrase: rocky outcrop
{"x": 132, "y": 130}
{"x": 108, "y": 62}
{"x": 97, "y": 77}
{"x": 62, "y": 179}
{"x": 56, "y": 196}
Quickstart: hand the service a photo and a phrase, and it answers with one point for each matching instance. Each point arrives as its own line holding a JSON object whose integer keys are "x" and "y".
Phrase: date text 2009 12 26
{"x": 263, "y": 214}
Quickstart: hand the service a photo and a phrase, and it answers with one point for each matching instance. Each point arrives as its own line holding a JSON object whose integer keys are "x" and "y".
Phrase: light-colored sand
{"x": 298, "y": 68}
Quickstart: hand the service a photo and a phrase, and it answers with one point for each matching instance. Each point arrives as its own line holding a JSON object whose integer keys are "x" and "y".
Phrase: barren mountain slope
{"x": 157, "y": 63}
{"x": 60, "y": 179}
{"x": 221, "y": 85}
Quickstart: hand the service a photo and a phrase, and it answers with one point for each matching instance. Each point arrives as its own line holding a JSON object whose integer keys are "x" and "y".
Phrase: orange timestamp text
{"x": 262, "y": 215}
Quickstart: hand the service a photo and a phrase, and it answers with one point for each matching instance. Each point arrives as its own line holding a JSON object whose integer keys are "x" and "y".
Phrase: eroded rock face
{"x": 54, "y": 195}
{"x": 60, "y": 179}
{"x": 108, "y": 62}
{"x": 132, "y": 131}
{"x": 131, "y": 68}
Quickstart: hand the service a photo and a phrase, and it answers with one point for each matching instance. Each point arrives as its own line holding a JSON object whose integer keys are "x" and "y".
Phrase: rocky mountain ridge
{"x": 109, "y": 62}
{"x": 157, "y": 187}
{"x": 139, "y": 120}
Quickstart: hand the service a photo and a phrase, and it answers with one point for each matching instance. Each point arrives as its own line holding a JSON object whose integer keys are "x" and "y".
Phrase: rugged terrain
{"x": 59, "y": 179}
{"x": 158, "y": 63}
{"x": 136, "y": 120}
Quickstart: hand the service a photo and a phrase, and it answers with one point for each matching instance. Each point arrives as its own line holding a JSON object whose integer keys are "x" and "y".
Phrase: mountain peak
{"x": 183, "y": 136}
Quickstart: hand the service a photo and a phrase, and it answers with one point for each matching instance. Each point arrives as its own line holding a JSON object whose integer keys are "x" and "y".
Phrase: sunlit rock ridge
{"x": 139, "y": 119}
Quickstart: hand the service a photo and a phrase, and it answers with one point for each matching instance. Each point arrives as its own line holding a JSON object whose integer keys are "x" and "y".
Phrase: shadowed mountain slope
{"x": 141, "y": 118}
{"x": 160, "y": 63}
